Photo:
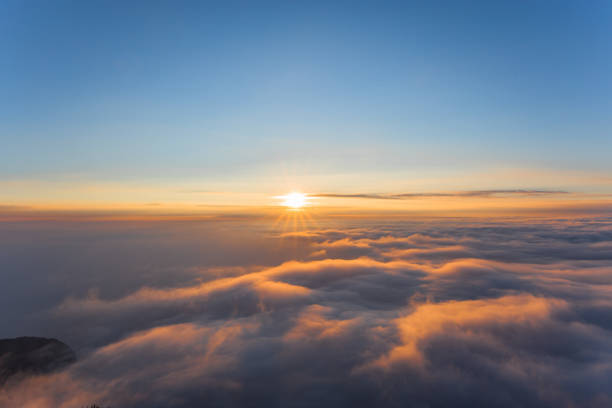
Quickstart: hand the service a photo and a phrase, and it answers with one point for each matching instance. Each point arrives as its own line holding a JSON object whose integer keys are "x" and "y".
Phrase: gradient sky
{"x": 108, "y": 101}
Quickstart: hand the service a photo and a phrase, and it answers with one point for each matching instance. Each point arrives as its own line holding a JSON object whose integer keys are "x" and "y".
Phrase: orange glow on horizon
{"x": 298, "y": 208}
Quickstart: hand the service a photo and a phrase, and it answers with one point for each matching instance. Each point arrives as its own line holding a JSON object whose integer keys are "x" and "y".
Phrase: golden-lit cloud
{"x": 468, "y": 317}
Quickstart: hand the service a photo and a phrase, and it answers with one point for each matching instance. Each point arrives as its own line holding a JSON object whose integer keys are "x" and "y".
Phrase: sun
{"x": 295, "y": 217}
{"x": 294, "y": 200}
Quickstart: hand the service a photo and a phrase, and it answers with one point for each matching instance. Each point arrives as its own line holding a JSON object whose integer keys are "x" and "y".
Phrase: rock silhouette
{"x": 24, "y": 356}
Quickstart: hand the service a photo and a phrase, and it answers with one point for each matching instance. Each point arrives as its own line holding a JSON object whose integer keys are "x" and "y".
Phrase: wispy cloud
{"x": 458, "y": 194}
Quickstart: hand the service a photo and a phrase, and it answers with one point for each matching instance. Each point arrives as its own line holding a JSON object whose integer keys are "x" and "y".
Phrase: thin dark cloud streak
{"x": 453, "y": 194}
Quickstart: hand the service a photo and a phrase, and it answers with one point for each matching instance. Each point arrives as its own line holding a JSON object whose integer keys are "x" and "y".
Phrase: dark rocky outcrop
{"x": 23, "y": 356}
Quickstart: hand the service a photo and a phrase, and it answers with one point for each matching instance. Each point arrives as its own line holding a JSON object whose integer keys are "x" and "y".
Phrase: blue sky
{"x": 228, "y": 94}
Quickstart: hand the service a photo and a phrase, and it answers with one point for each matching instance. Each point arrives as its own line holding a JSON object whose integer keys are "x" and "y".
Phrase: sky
{"x": 127, "y": 104}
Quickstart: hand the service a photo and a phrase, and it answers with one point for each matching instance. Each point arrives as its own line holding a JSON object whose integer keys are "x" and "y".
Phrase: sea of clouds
{"x": 422, "y": 313}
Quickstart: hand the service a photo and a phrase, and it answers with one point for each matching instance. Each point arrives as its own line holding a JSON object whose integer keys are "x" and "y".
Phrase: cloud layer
{"x": 507, "y": 312}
